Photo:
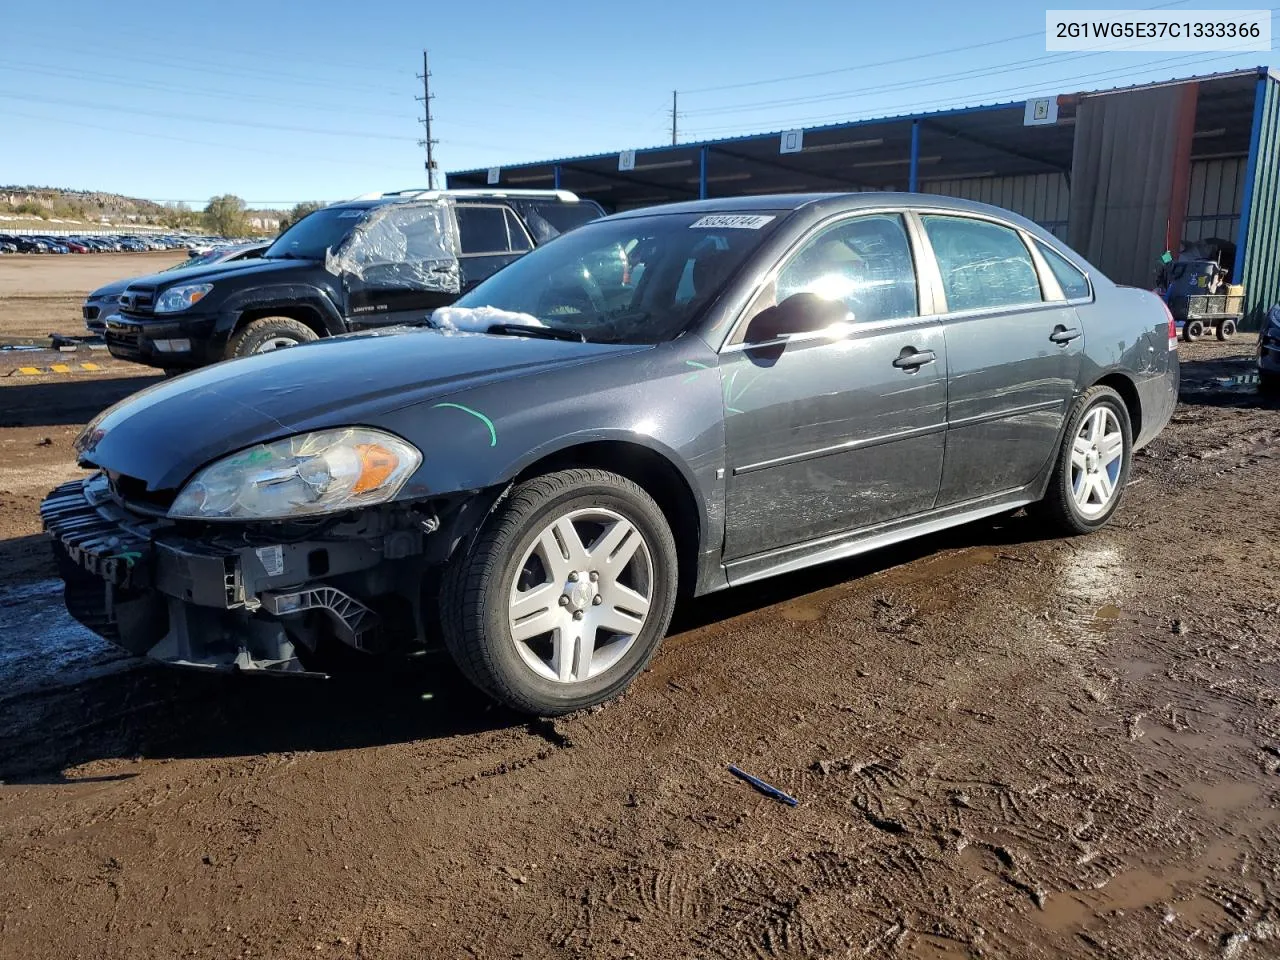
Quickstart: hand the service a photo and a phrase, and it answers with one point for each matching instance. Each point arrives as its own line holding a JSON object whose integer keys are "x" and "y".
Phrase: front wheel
{"x": 564, "y": 595}
{"x": 1093, "y": 463}
{"x": 267, "y": 334}
{"x": 1192, "y": 330}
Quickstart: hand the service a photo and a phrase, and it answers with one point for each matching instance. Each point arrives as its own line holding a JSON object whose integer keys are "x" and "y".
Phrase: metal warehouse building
{"x": 1121, "y": 175}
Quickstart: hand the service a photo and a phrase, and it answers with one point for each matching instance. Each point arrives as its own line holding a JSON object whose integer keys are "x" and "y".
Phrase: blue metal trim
{"x": 702, "y": 172}
{"x": 913, "y": 178}
{"x": 1255, "y": 137}
{"x": 556, "y": 173}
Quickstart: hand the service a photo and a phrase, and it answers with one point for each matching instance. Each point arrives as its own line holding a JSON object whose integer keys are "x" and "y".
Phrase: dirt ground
{"x": 42, "y": 294}
{"x": 1003, "y": 745}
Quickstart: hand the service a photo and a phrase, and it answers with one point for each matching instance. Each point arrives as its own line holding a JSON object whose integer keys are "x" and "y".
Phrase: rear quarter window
{"x": 1074, "y": 284}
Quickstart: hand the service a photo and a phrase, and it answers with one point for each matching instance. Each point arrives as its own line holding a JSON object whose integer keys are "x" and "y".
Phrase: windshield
{"x": 314, "y": 234}
{"x": 548, "y": 219}
{"x": 636, "y": 280}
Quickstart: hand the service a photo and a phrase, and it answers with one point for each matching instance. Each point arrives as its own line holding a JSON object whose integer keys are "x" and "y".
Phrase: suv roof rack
{"x": 414, "y": 193}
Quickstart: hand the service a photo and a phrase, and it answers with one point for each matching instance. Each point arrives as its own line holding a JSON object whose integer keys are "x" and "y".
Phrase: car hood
{"x": 111, "y": 289}
{"x": 213, "y": 272}
{"x": 168, "y": 431}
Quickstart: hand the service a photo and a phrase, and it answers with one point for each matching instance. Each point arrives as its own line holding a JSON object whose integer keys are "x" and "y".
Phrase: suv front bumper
{"x": 133, "y": 339}
{"x": 136, "y": 581}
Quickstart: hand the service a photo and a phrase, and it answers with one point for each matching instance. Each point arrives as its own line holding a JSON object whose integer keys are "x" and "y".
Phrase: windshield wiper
{"x": 529, "y": 330}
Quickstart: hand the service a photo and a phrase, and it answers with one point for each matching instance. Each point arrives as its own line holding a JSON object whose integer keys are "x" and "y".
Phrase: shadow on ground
{"x": 1224, "y": 382}
{"x": 157, "y": 712}
{"x": 65, "y": 400}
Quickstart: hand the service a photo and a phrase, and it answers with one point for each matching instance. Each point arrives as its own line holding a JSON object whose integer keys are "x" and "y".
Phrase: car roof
{"x": 822, "y": 204}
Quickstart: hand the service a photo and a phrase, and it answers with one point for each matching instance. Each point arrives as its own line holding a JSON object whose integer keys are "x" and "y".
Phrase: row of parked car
{"x": 105, "y": 243}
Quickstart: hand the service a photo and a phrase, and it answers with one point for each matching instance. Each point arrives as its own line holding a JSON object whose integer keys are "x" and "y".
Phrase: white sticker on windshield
{"x": 346, "y": 214}
{"x": 732, "y": 221}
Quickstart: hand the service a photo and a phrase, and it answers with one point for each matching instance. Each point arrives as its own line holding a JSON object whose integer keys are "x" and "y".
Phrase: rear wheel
{"x": 1093, "y": 463}
{"x": 267, "y": 334}
{"x": 1192, "y": 330}
{"x": 1226, "y": 328}
{"x": 565, "y": 594}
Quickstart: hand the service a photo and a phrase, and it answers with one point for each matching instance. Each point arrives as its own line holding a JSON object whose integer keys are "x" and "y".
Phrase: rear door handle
{"x": 1064, "y": 335}
{"x": 911, "y": 359}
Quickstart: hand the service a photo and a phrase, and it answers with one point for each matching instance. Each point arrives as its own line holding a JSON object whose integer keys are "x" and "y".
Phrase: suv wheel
{"x": 267, "y": 334}
{"x": 564, "y": 595}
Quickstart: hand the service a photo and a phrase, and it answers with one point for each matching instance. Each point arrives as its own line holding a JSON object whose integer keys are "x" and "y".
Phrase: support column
{"x": 1251, "y": 172}
{"x": 913, "y": 178}
{"x": 556, "y": 170}
{"x": 702, "y": 173}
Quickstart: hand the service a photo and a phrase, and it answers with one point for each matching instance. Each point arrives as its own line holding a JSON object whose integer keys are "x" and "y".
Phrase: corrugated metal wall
{"x": 1042, "y": 197}
{"x": 1260, "y": 271}
{"x": 1215, "y": 197}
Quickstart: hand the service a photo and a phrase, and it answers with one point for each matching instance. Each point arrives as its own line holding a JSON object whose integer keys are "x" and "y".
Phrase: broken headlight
{"x": 304, "y": 475}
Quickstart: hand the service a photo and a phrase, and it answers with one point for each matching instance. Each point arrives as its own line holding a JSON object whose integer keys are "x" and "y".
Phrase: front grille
{"x": 138, "y": 300}
{"x": 130, "y": 491}
{"x": 122, "y": 341}
{"x": 92, "y": 542}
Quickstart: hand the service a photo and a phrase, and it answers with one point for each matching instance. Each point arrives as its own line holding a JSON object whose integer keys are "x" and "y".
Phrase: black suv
{"x": 377, "y": 260}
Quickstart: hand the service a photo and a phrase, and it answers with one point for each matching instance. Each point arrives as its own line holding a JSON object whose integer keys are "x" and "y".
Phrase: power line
{"x": 917, "y": 106}
{"x": 164, "y": 115}
{"x": 938, "y": 79}
{"x": 247, "y": 148}
{"x": 892, "y": 62}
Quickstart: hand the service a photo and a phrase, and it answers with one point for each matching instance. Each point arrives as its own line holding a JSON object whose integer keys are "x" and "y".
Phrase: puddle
{"x": 800, "y": 612}
{"x": 41, "y": 646}
{"x": 1225, "y": 797}
{"x": 1243, "y": 381}
{"x": 1108, "y": 612}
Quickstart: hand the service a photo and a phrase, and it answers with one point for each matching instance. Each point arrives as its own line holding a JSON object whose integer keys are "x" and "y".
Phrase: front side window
{"x": 864, "y": 262}
{"x": 1074, "y": 284}
{"x": 519, "y": 239}
{"x": 633, "y": 280}
{"x": 984, "y": 265}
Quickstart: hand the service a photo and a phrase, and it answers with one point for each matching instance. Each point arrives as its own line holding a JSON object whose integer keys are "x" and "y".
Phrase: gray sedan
{"x": 674, "y": 400}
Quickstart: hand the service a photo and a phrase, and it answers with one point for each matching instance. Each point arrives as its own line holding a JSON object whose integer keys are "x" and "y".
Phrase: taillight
{"x": 1173, "y": 326}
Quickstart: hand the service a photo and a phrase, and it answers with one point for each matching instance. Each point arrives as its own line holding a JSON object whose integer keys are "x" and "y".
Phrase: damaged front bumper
{"x": 233, "y": 600}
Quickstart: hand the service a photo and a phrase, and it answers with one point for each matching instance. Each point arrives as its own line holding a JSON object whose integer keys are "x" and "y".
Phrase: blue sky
{"x": 280, "y": 102}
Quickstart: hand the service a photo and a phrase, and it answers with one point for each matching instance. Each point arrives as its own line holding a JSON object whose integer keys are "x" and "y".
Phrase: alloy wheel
{"x": 581, "y": 595}
{"x": 1097, "y": 457}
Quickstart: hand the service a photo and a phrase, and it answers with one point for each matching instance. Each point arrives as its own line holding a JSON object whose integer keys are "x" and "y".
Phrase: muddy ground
{"x": 1003, "y": 745}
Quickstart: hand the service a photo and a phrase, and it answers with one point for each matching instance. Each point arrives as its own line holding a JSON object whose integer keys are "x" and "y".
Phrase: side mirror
{"x": 799, "y": 313}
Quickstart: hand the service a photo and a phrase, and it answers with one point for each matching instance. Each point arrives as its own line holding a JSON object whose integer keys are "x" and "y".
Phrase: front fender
{"x": 323, "y": 301}
{"x": 666, "y": 400}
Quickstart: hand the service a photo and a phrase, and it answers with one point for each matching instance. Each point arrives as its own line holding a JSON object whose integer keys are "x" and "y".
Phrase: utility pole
{"x": 429, "y": 143}
{"x": 674, "y": 95}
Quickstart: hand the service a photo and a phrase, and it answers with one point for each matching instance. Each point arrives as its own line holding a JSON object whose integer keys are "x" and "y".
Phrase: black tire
{"x": 253, "y": 336}
{"x": 474, "y": 590}
{"x": 1226, "y": 329}
{"x": 1192, "y": 330}
{"x": 1058, "y": 507}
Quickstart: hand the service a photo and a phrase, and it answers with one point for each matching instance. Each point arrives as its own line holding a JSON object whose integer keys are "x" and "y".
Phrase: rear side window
{"x": 482, "y": 230}
{"x": 547, "y": 219}
{"x": 1074, "y": 284}
{"x": 983, "y": 265}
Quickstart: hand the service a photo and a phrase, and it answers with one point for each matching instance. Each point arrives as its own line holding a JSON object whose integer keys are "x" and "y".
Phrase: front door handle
{"x": 911, "y": 359}
{"x": 1064, "y": 335}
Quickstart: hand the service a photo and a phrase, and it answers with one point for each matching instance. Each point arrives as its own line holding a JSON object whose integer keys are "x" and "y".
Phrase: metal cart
{"x": 1198, "y": 312}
